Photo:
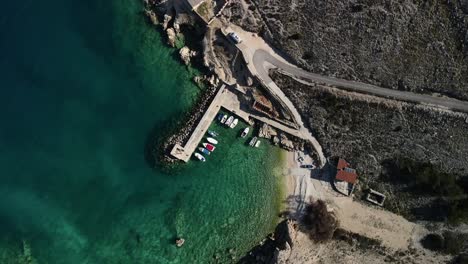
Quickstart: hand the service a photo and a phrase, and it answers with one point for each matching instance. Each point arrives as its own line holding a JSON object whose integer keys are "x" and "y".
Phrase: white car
{"x": 234, "y": 37}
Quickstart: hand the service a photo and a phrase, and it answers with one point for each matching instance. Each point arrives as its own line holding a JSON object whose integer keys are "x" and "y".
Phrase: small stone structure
{"x": 375, "y": 197}
{"x": 263, "y": 105}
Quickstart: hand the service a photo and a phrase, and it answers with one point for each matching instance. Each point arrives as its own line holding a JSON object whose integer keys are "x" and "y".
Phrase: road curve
{"x": 261, "y": 58}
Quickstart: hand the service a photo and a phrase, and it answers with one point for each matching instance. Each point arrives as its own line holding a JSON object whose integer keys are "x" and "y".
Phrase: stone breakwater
{"x": 170, "y": 17}
{"x": 188, "y": 124}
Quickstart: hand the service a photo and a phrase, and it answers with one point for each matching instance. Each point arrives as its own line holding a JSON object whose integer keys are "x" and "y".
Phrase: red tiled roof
{"x": 345, "y": 173}
{"x": 342, "y": 164}
{"x": 346, "y": 176}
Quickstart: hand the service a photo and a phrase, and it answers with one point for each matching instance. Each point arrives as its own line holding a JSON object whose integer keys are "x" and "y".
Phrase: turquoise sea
{"x": 83, "y": 84}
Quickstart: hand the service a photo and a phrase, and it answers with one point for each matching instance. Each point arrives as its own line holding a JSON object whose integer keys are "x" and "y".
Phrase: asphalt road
{"x": 261, "y": 56}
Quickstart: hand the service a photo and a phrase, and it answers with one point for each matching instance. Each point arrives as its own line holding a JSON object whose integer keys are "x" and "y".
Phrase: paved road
{"x": 262, "y": 58}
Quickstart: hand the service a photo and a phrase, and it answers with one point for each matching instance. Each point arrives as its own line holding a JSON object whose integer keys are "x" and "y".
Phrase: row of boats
{"x": 228, "y": 121}
{"x": 207, "y": 147}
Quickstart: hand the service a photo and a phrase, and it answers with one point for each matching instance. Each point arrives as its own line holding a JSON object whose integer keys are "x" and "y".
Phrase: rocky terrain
{"x": 379, "y": 137}
{"x": 413, "y": 45}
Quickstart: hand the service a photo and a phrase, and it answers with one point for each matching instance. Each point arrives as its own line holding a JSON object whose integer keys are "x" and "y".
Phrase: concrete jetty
{"x": 227, "y": 99}
{"x": 184, "y": 153}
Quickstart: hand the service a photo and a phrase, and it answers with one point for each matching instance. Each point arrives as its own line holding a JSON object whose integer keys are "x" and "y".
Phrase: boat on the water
{"x": 245, "y": 132}
{"x": 229, "y": 121}
{"x": 257, "y": 144}
{"x": 209, "y": 147}
{"x": 234, "y": 123}
{"x": 204, "y": 151}
{"x": 219, "y": 116}
{"x": 180, "y": 242}
{"x": 253, "y": 141}
{"x": 212, "y": 133}
{"x": 199, "y": 157}
{"x": 224, "y": 119}
{"x": 212, "y": 140}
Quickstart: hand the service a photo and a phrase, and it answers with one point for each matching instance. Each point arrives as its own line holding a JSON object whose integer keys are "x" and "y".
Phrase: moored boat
{"x": 257, "y": 144}
{"x": 209, "y": 147}
{"x": 199, "y": 157}
{"x": 204, "y": 151}
{"x": 224, "y": 119}
{"x": 234, "y": 123}
{"x": 220, "y": 116}
{"x": 212, "y": 133}
{"x": 253, "y": 141}
{"x": 245, "y": 132}
{"x": 180, "y": 242}
{"x": 212, "y": 140}
{"x": 229, "y": 121}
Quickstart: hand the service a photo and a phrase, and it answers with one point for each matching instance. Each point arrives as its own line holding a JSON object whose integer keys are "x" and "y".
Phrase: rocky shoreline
{"x": 171, "y": 18}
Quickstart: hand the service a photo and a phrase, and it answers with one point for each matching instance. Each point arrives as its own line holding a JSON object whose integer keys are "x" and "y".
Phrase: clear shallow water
{"x": 82, "y": 85}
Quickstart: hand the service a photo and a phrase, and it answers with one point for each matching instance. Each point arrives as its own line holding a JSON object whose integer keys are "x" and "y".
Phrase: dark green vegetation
{"x": 449, "y": 191}
{"x": 448, "y": 242}
{"x": 318, "y": 222}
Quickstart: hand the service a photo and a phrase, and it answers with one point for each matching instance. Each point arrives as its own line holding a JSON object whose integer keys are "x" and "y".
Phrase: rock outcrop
{"x": 186, "y": 54}
{"x": 152, "y": 17}
{"x": 171, "y": 37}
{"x": 267, "y": 131}
{"x": 276, "y": 248}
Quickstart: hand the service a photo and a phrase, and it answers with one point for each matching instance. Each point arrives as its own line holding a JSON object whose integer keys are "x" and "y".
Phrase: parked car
{"x": 234, "y": 37}
{"x": 308, "y": 166}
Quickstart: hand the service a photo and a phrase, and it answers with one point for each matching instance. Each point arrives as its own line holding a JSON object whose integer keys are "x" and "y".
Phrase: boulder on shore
{"x": 167, "y": 18}
{"x": 171, "y": 37}
{"x": 186, "y": 54}
{"x": 267, "y": 131}
{"x": 152, "y": 17}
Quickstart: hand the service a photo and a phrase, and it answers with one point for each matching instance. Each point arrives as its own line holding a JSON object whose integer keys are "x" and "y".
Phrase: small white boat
{"x": 258, "y": 143}
{"x": 234, "y": 123}
{"x": 224, "y": 119}
{"x": 200, "y": 157}
{"x": 212, "y": 140}
{"x": 229, "y": 121}
{"x": 212, "y": 133}
{"x": 204, "y": 151}
{"x": 180, "y": 242}
{"x": 253, "y": 141}
{"x": 245, "y": 132}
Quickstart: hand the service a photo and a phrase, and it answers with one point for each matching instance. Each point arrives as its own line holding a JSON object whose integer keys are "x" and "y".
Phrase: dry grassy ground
{"x": 410, "y": 45}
